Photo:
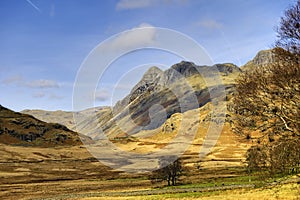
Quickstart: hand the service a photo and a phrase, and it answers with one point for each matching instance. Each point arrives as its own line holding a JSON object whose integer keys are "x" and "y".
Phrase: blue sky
{"x": 44, "y": 42}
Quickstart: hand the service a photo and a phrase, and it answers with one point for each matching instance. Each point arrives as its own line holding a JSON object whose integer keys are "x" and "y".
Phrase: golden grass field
{"x": 71, "y": 172}
{"x": 283, "y": 192}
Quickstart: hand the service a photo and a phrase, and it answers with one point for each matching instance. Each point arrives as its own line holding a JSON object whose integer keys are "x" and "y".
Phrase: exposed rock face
{"x": 148, "y": 83}
{"x": 160, "y": 94}
{"x": 22, "y": 129}
{"x": 228, "y": 68}
{"x": 262, "y": 58}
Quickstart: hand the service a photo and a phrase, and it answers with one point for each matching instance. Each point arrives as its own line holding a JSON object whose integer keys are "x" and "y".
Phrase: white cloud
{"x": 210, "y": 24}
{"x": 42, "y": 83}
{"x": 13, "y": 79}
{"x": 134, "y": 4}
{"x": 19, "y": 81}
{"x": 138, "y": 4}
{"x": 50, "y": 96}
{"x": 133, "y": 38}
{"x": 102, "y": 95}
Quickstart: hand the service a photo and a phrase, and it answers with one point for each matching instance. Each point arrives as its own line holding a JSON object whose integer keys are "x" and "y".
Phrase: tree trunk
{"x": 173, "y": 180}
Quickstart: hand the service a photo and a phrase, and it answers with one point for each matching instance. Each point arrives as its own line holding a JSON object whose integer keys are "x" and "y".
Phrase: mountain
{"x": 262, "y": 58}
{"x": 153, "y": 100}
{"x": 66, "y": 117}
{"x": 22, "y": 129}
{"x": 160, "y": 94}
{"x": 166, "y": 108}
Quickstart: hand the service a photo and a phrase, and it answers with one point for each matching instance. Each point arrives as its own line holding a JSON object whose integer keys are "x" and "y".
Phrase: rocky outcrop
{"x": 262, "y": 58}
{"x": 228, "y": 68}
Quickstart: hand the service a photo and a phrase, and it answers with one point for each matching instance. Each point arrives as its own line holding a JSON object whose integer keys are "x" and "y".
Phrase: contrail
{"x": 34, "y": 6}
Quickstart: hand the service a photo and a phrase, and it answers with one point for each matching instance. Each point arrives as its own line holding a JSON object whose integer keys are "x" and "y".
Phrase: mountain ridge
{"x": 157, "y": 90}
{"x": 22, "y": 129}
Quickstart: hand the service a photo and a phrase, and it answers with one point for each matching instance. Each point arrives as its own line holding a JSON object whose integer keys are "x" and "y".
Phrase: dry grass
{"x": 282, "y": 192}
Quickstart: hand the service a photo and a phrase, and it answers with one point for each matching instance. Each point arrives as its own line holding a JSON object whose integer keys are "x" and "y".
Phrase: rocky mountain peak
{"x": 264, "y": 57}
{"x": 152, "y": 71}
{"x": 151, "y": 76}
{"x": 148, "y": 82}
{"x": 185, "y": 68}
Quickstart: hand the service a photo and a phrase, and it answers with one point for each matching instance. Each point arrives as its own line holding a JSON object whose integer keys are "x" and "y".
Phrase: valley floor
{"x": 73, "y": 173}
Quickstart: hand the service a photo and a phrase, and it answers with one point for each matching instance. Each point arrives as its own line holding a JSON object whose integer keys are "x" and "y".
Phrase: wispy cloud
{"x": 102, "y": 95}
{"x": 19, "y": 81}
{"x": 34, "y": 6}
{"x": 50, "y": 96}
{"x": 209, "y": 24}
{"x": 42, "y": 83}
{"x": 13, "y": 79}
{"x": 133, "y": 38}
{"x": 134, "y": 4}
{"x": 138, "y": 4}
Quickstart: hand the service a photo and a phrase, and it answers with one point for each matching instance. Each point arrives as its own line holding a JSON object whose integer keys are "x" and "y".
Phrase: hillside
{"x": 22, "y": 129}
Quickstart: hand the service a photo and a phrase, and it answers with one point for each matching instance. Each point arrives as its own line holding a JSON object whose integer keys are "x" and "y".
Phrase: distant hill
{"x": 65, "y": 117}
{"x": 84, "y": 119}
{"x": 22, "y": 129}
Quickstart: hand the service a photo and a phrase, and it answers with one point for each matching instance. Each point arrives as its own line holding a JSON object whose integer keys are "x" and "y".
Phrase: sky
{"x": 44, "y": 43}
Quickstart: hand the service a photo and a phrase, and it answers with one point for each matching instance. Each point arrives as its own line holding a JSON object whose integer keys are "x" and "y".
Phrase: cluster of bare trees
{"x": 281, "y": 156}
{"x": 167, "y": 172}
{"x": 267, "y": 99}
{"x": 266, "y": 105}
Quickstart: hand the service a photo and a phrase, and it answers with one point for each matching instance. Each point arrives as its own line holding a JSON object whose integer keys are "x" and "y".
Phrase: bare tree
{"x": 288, "y": 31}
{"x": 169, "y": 173}
{"x": 256, "y": 158}
{"x": 266, "y": 109}
{"x": 285, "y": 156}
{"x": 266, "y": 103}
